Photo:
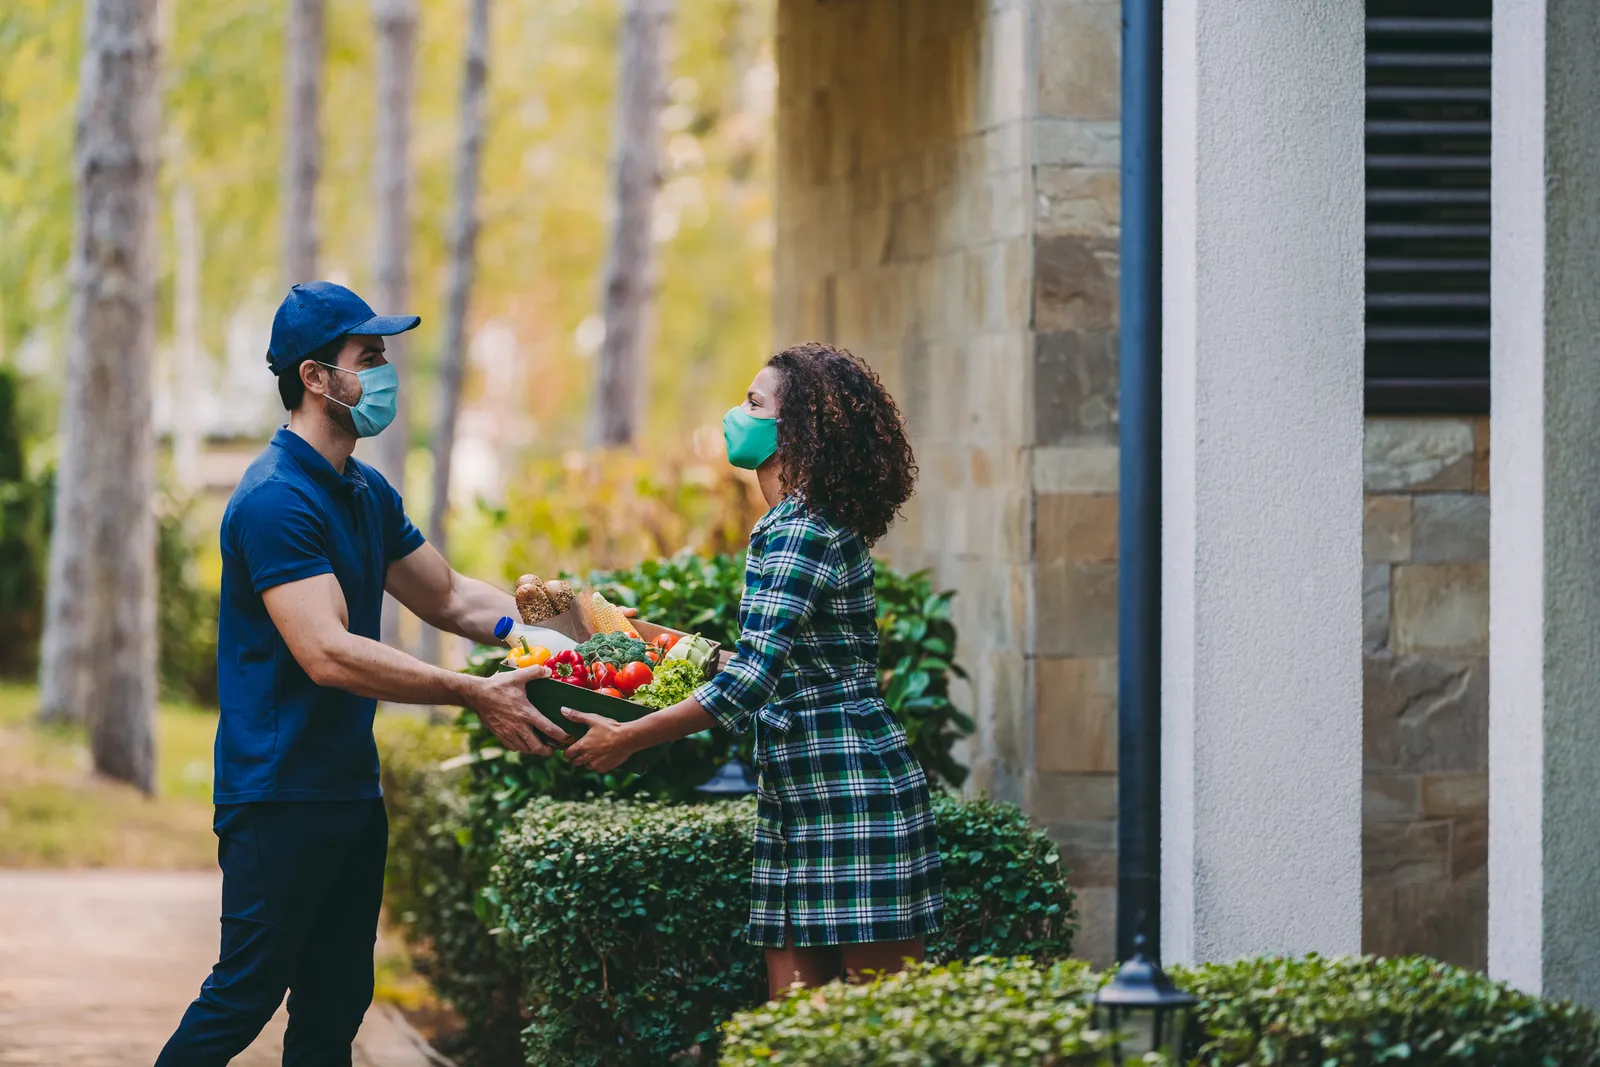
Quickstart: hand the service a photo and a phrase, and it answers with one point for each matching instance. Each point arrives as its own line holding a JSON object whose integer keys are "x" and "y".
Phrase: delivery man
{"x": 311, "y": 539}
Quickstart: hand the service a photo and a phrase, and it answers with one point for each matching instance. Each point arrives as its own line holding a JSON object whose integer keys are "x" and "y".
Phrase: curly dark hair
{"x": 841, "y": 440}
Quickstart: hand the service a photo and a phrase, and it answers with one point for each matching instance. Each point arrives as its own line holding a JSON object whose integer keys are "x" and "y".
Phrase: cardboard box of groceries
{"x": 580, "y": 614}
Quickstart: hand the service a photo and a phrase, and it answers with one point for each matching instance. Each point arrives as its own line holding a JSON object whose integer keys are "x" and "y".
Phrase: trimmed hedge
{"x": 1368, "y": 1011}
{"x": 1317, "y": 1012}
{"x": 988, "y": 1013}
{"x": 437, "y": 865}
{"x": 628, "y": 917}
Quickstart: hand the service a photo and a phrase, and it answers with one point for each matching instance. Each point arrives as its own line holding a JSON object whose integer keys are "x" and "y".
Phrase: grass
{"x": 55, "y": 812}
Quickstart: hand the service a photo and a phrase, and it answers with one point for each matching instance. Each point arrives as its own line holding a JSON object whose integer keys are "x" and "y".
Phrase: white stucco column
{"x": 1262, "y": 498}
{"x": 1544, "y": 577}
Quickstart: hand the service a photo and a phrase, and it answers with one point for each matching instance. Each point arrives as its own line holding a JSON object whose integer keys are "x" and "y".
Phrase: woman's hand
{"x": 605, "y": 747}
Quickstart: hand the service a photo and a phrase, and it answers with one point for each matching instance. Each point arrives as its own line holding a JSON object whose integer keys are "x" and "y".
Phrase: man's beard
{"x": 336, "y": 411}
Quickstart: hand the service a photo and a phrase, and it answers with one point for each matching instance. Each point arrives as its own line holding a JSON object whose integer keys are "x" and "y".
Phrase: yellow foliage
{"x": 592, "y": 510}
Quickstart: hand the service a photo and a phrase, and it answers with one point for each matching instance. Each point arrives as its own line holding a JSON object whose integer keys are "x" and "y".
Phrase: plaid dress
{"x": 846, "y": 850}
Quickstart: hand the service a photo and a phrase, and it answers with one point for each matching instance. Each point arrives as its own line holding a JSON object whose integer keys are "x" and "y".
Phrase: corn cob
{"x": 533, "y": 603}
{"x": 608, "y": 620}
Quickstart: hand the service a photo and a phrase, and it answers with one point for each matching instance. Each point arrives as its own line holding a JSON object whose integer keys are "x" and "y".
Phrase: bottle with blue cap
{"x": 522, "y": 638}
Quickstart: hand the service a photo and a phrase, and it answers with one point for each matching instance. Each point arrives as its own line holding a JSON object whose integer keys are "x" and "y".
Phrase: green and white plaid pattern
{"x": 846, "y": 849}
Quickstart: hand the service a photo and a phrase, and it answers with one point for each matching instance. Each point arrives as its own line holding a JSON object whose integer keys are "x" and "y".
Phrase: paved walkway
{"x": 96, "y": 967}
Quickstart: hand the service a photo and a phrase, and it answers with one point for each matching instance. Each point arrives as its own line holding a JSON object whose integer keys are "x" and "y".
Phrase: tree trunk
{"x": 99, "y": 651}
{"x": 463, "y": 246}
{"x": 396, "y": 25}
{"x": 629, "y": 292}
{"x": 302, "y": 143}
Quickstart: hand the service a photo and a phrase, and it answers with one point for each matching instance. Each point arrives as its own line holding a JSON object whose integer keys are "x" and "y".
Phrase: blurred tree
{"x": 628, "y": 293}
{"x": 99, "y": 649}
{"x": 458, "y": 290}
{"x": 544, "y": 205}
{"x": 302, "y": 156}
{"x": 396, "y": 24}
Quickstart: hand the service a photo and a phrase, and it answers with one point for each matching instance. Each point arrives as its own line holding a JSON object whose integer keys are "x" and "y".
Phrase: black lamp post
{"x": 733, "y": 779}
{"x": 1145, "y": 1011}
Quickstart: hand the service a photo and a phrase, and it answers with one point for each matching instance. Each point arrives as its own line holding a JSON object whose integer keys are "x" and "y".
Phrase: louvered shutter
{"x": 1428, "y": 206}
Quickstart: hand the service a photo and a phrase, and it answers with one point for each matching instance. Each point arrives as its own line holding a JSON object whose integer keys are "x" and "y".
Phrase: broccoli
{"x": 617, "y": 649}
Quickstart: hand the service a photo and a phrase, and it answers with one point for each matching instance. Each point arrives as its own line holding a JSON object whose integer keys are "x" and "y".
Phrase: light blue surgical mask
{"x": 373, "y": 413}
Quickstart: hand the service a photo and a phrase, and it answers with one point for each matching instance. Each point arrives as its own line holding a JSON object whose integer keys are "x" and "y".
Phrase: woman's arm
{"x": 609, "y": 743}
{"x": 799, "y": 565}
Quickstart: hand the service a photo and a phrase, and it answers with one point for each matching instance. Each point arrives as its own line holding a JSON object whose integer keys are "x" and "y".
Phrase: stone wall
{"x": 947, "y": 209}
{"x": 1426, "y": 585}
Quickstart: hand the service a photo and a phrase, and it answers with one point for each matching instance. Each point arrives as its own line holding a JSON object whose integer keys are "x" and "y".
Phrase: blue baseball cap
{"x": 315, "y": 313}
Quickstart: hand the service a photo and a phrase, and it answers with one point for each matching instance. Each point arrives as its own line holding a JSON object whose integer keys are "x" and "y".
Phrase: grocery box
{"x": 550, "y": 696}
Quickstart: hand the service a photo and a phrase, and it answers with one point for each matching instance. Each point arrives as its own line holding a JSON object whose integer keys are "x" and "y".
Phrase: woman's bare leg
{"x": 809, "y": 966}
{"x": 863, "y": 961}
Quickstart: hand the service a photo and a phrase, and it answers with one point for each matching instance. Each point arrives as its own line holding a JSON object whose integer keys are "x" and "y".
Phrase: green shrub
{"x": 1365, "y": 1011}
{"x": 186, "y": 613}
{"x": 987, "y": 1013}
{"x": 628, "y": 917}
{"x": 916, "y": 640}
{"x": 1005, "y": 893}
{"x": 24, "y": 538}
{"x": 432, "y": 887}
{"x": 1314, "y": 1011}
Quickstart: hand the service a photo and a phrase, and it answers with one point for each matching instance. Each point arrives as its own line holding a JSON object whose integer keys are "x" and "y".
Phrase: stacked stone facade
{"x": 947, "y": 208}
{"x": 948, "y": 201}
{"x": 1426, "y": 724}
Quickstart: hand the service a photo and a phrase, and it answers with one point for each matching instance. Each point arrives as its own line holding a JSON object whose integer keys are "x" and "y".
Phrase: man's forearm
{"x": 475, "y": 607}
{"x": 372, "y": 669}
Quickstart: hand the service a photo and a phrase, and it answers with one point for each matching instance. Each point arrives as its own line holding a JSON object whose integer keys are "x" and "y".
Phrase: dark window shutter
{"x": 1428, "y": 206}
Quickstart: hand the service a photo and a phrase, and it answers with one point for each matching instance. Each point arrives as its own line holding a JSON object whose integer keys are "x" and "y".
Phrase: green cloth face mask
{"x": 751, "y": 441}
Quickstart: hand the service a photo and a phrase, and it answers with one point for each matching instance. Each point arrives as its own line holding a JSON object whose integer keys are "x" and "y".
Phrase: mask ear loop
{"x": 330, "y": 396}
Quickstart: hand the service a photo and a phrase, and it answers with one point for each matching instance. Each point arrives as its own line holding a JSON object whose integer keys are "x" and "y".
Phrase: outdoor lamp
{"x": 1146, "y": 1010}
{"x": 733, "y": 779}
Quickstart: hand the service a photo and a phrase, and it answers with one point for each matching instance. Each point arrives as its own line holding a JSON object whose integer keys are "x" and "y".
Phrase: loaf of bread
{"x": 533, "y": 601}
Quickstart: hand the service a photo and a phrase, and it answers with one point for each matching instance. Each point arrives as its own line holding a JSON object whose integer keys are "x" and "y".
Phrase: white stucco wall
{"x": 1262, "y": 478}
{"x": 1544, "y": 711}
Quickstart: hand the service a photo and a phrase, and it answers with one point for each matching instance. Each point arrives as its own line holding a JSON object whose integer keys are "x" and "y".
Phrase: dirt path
{"x": 96, "y": 968}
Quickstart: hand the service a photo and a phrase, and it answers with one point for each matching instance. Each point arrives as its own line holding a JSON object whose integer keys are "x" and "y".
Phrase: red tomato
{"x": 633, "y": 676}
{"x": 603, "y": 673}
{"x": 607, "y": 691}
{"x": 665, "y": 642}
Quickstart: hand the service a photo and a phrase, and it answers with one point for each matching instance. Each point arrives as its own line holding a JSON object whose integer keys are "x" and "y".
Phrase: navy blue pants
{"x": 301, "y": 887}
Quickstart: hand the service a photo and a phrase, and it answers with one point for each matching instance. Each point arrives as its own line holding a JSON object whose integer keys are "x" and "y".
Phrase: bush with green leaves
{"x": 186, "y": 612}
{"x": 628, "y": 917}
{"x": 1271, "y": 1012}
{"x": 1362, "y": 1012}
{"x": 24, "y": 537}
{"x": 916, "y": 640}
{"x": 986, "y": 1013}
{"x": 438, "y": 863}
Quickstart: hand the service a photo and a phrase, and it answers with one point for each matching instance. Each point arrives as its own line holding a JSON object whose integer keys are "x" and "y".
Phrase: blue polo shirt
{"x": 280, "y": 735}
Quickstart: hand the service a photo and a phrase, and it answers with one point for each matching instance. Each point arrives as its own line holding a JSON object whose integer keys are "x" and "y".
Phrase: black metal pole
{"x": 1139, "y": 519}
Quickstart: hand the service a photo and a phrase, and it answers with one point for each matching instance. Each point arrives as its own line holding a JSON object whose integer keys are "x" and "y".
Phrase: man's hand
{"x": 606, "y": 746}
{"x": 501, "y": 702}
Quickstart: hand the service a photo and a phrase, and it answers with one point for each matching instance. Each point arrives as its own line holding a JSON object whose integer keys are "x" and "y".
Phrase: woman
{"x": 846, "y": 878}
